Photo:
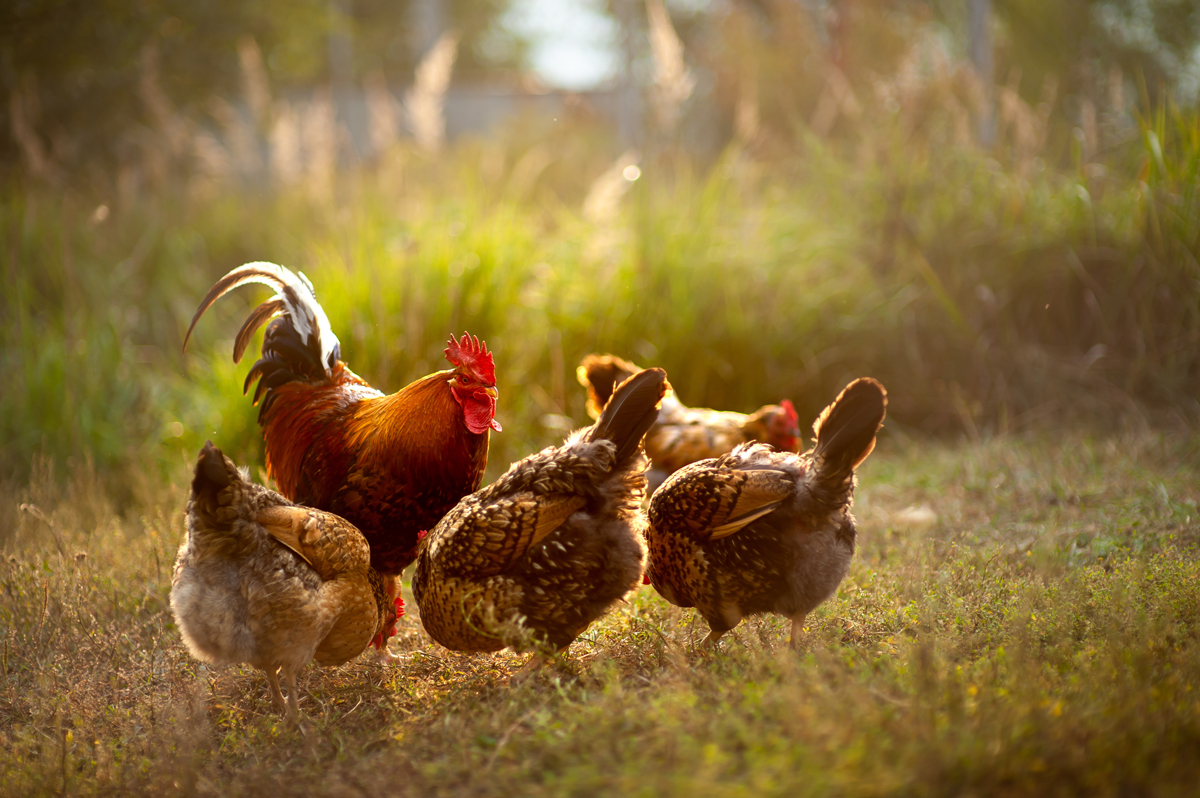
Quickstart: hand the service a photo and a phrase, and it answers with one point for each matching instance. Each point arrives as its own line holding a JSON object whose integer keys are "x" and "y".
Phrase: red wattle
{"x": 479, "y": 411}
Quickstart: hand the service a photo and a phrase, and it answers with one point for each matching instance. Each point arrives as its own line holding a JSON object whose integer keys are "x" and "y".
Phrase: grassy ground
{"x": 1022, "y": 617}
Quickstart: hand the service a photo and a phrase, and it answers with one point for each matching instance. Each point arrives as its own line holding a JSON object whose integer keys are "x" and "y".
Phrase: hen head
{"x": 388, "y": 629}
{"x": 783, "y": 428}
{"x": 473, "y": 382}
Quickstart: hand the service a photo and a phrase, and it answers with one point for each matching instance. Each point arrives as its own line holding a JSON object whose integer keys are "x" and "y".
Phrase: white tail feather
{"x": 308, "y": 316}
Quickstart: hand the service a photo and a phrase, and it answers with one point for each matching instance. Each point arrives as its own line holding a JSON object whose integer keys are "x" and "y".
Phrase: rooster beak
{"x": 492, "y": 392}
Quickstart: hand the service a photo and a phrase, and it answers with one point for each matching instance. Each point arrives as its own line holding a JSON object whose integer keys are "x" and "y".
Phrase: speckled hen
{"x": 539, "y": 554}
{"x": 264, "y": 581}
{"x": 758, "y": 530}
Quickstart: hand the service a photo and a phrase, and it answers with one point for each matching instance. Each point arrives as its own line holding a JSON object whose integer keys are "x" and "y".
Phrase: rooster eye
{"x": 462, "y": 379}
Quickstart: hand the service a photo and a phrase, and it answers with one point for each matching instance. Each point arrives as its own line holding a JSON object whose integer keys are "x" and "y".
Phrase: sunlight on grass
{"x": 1037, "y": 629}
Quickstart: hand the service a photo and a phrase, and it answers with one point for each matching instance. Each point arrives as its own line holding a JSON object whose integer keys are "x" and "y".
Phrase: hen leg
{"x": 535, "y": 663}
{"x": 710, "y": 643}
{"x": 293, "y": 704}
{"x": 276, "y": 695}
{"x": 797, "y": 631}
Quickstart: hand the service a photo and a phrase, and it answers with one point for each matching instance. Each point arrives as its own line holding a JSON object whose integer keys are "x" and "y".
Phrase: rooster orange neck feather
{"x": 429, "y": 435}
{"x": 374, "y": 430}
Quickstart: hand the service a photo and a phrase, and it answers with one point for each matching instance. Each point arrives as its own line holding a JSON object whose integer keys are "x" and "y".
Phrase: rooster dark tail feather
{"x": 298, "y": 345}
{"x": 631, "y": 411}
{"x": 845, "y": 436}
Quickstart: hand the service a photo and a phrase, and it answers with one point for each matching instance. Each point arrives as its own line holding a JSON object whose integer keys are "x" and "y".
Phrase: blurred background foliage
{"x": 805, "y": 195}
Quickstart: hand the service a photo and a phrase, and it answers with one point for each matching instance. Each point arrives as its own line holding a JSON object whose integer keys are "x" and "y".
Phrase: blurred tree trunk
{"x": 981, "y": 57}
{"x": 341, "y": 74}
{"x": 629, "y": 111}
{"x": 428, "y": 21}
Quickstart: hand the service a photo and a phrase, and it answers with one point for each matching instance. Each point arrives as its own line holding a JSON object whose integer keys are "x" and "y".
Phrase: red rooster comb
{"x": 789, "y": 412}
{"x": 471, "y": 353}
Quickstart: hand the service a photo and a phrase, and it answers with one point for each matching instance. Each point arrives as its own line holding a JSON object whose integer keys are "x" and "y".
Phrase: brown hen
{"x": 683, "y": 434}
{"x": 758, "y": 530}
{"x": 266, "y": 582}
{"x": 542, "y": 552}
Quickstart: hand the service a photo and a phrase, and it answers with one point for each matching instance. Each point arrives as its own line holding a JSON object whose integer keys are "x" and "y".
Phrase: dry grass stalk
{"x": 602, "y": 205}
{"x": 424, "y": 102}
{"x": 383, "y": 112}
{"x": 320, "y": 142}
{"x": 673, "y": 81}
{"x": 283, "y": 143}
{"x": 746, "y": 122}
{"x": 255, "y": 85}
{"x": 528, "y": 168}
{"x": 211, "y": 157}
{"x": 1024, "y": 127}
{"x": 1087, "y": 122}
{"x": 1116, "y": 91}
{"x": 169, "y": 123}
{"x": 23, "y": 112}
{"x": 927, "y": 81}
{"x": 603, "y": 199}
{"x": 240, "y": 137}
{"x": 837, "y": 98}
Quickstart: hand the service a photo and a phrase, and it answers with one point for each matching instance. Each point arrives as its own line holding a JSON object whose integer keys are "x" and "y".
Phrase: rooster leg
{"x": 384, "y": 656}
{"x": 276, "y": 695}
{"x": 797, "y": 631}
{"x": 710, "y": 643}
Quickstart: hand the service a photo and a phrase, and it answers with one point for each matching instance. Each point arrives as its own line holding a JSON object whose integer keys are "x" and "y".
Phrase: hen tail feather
{"x": 631, "y": 411}
{"x": 600, "y": 374}
{"x": 846, "y": 434}
{"x": 216, "y": 488}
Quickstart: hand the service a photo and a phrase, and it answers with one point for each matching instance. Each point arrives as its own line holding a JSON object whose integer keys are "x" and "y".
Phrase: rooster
{"x": 263, "y": 581}
{"x": 682, "y": 434}
{"x": 758, "y": 530}
{"x": 543, "y": 551}
{"x": 391, "y": 465}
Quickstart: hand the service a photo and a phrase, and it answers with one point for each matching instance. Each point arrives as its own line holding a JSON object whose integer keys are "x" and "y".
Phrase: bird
{"x": 391, "y": 465}
{"x": 685, "y": 434}
{"x": 264, "y": 581}
{"x": 764, "y": 531}
{"x": 532, "y": 559}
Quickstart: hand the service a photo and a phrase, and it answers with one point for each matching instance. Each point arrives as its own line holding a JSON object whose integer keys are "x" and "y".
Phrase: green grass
{"x": 1035, "y": 628}
{"x": 988, "y": 296}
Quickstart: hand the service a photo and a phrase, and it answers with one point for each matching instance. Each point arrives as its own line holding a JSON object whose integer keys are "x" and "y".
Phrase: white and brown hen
{"x": 266, "y": 582}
